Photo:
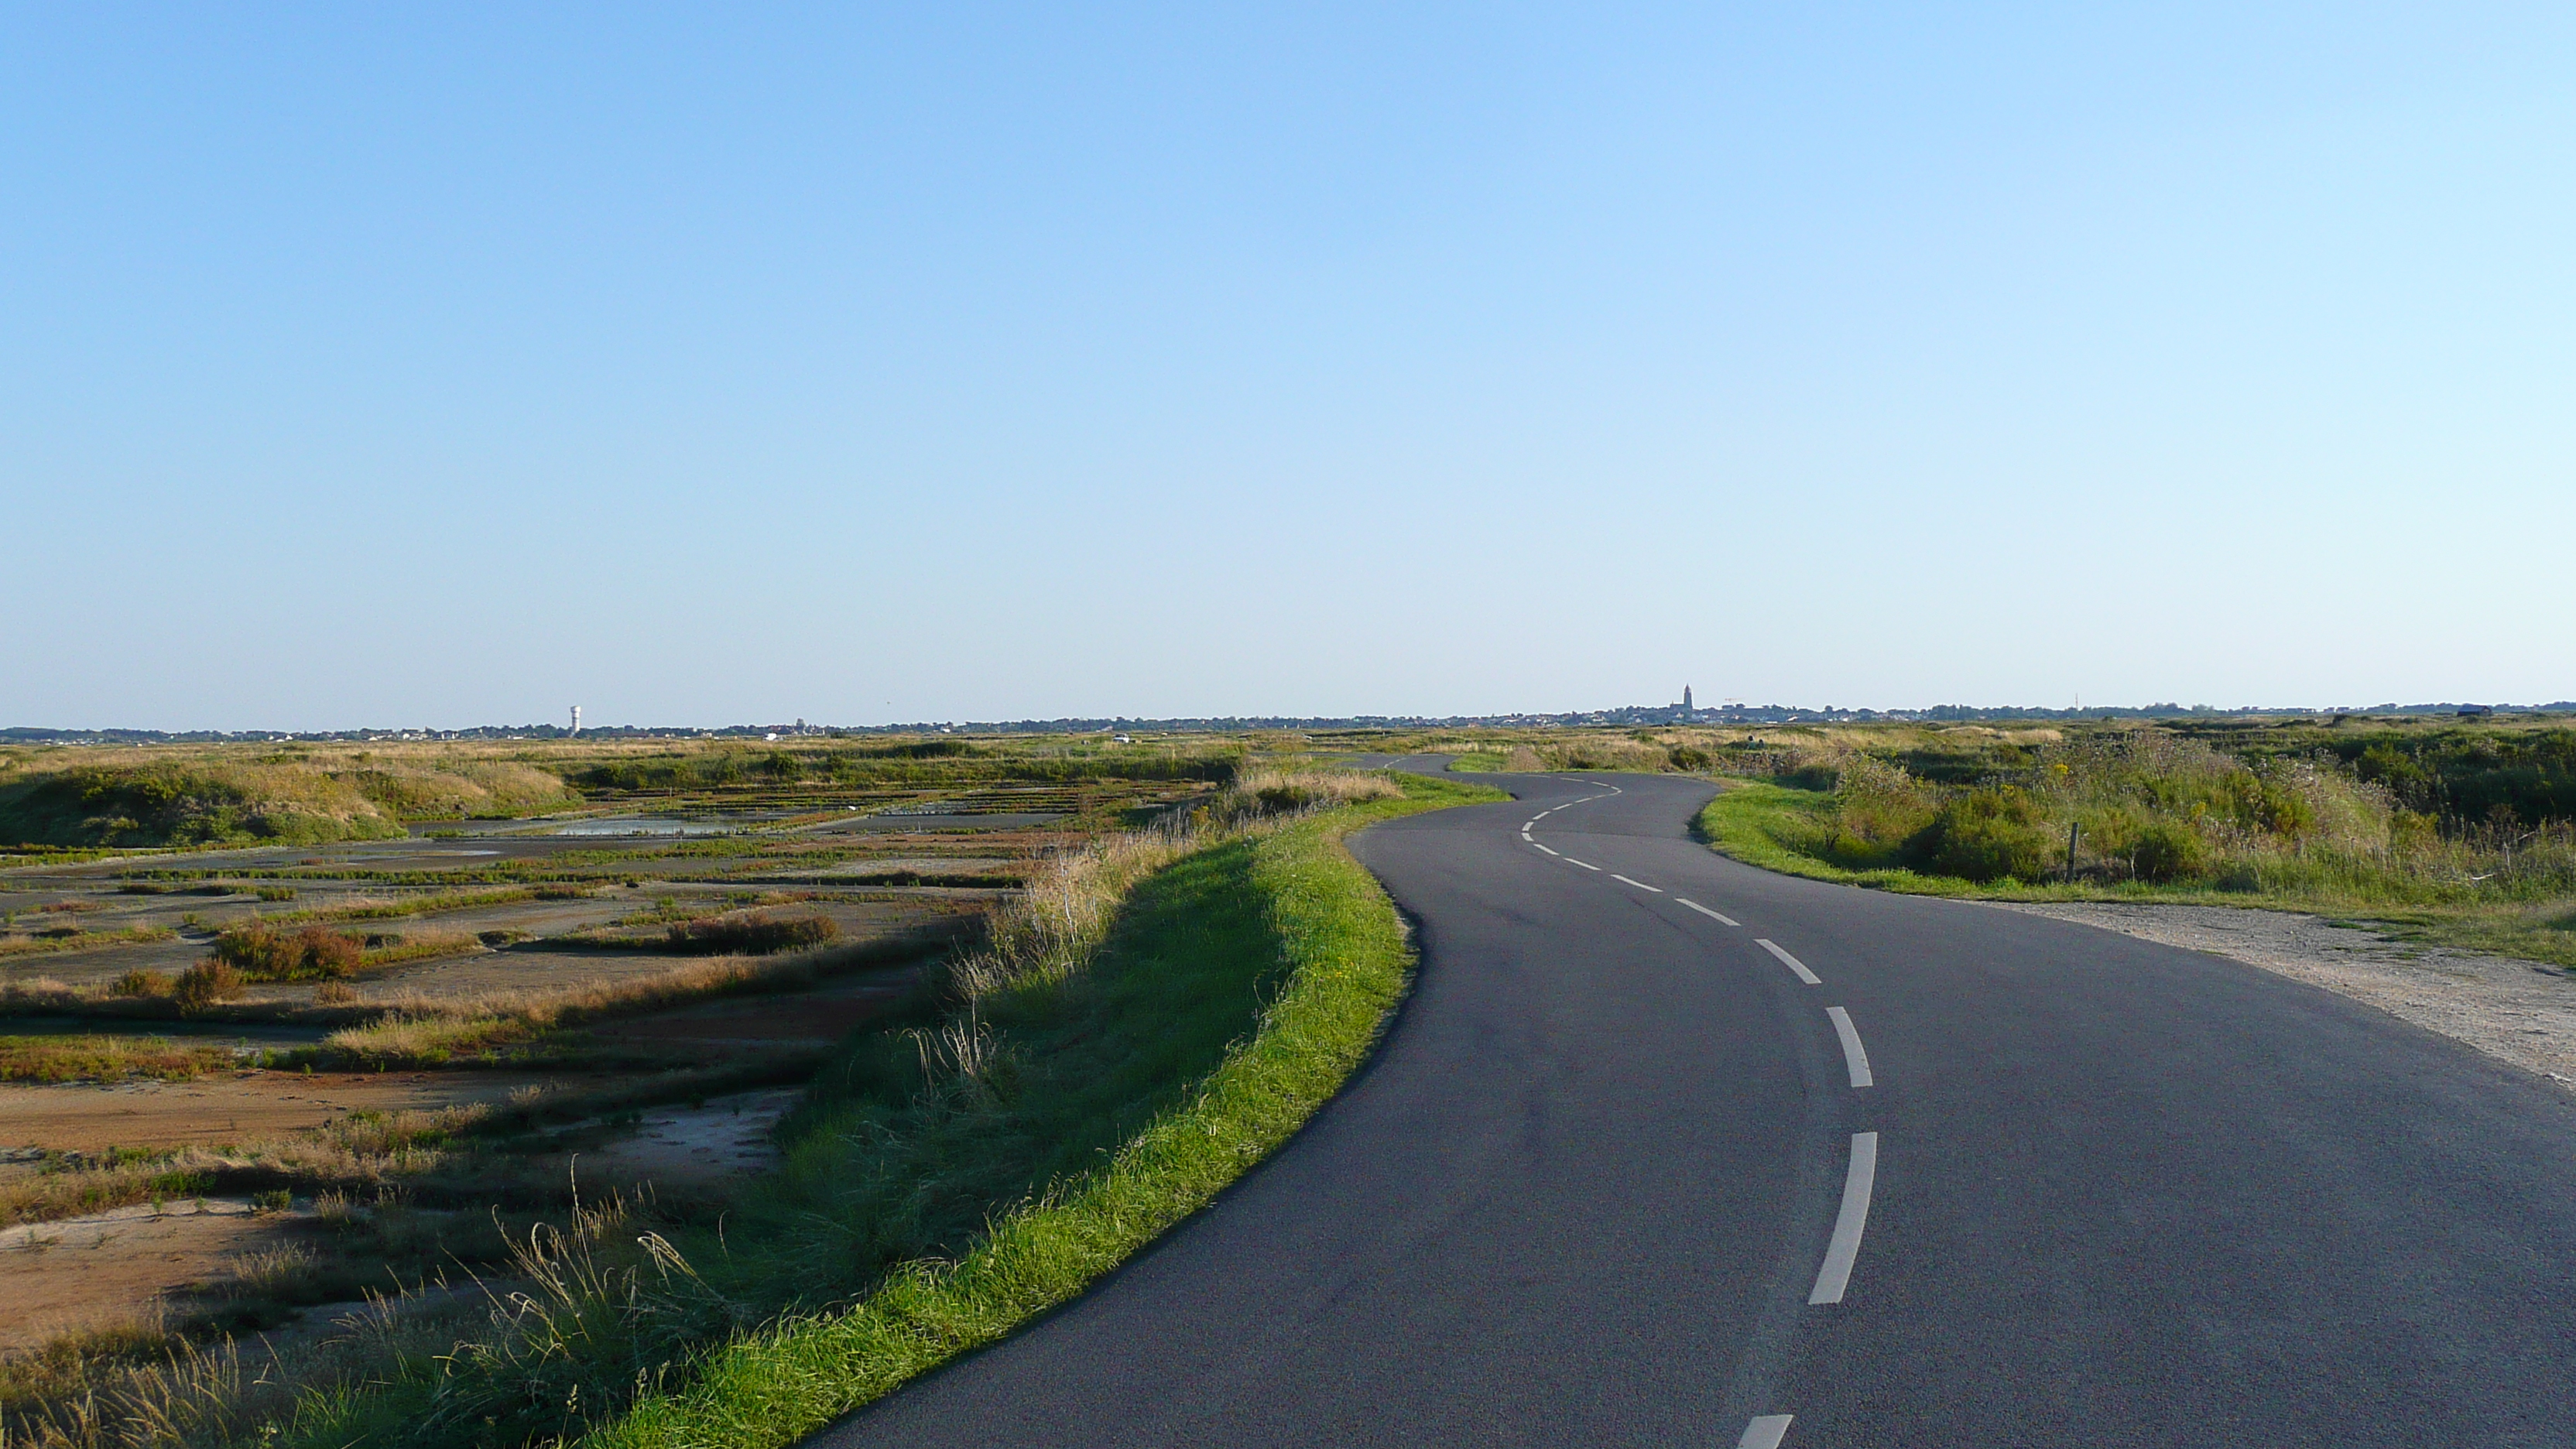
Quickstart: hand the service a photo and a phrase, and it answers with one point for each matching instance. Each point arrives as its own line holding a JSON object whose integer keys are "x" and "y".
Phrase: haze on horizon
{"x": 448, "y": 366}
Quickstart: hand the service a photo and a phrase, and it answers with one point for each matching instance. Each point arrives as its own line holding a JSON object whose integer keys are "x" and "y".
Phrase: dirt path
{"x": 2511, "y": 1010}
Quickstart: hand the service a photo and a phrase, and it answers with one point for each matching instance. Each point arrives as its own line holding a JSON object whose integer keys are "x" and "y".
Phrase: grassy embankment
{"x": 1157, "y": 1015}
{"x": 2461, "y": 841}
{"x": 238, "y": 796}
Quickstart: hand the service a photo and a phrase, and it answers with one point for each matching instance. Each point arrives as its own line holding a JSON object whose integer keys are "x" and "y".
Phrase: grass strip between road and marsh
{"x": 1341, "y": 963}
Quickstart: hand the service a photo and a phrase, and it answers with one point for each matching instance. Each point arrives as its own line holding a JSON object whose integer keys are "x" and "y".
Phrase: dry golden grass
{"x": 1276, "y": 787}
{"x": 140, "y": 1387}
{"x": 1064, "y": 910}
{"x": 44, "y": 993}
{"x": 434, "y": 1028}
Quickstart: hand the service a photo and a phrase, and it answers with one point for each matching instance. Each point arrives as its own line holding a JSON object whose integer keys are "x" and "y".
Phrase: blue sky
{"x": 445, "y": 365}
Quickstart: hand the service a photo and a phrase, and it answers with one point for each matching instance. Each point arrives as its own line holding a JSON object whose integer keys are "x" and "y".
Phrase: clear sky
{"x": 439, "y": 365}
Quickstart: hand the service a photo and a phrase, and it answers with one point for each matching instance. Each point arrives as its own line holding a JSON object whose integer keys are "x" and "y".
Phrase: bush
{"x": 751, "y": 935}
{"x": 1882, "y": 809}
{"x": 1689, "y": 759}
{"x": 1986, "y": 835}
{"x": 261, "y": 954}
{"x": 206, "y": 983}
{"x": 2165, "y": 851}
{"x": 139, "y": 984}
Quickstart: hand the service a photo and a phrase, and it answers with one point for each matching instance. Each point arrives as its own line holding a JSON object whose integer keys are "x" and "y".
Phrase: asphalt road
{"x": 1622, "y": 1176}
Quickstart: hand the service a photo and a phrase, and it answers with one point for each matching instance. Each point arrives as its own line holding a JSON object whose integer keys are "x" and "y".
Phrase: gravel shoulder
{"x": 2511, "y": 1010}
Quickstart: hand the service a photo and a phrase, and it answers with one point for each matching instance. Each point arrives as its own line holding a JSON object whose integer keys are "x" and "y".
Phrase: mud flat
{"x": 111, "y": 1268}
{"x": 216, "y": 1111}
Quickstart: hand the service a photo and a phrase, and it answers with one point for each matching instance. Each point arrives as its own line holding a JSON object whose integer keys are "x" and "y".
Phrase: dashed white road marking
{"x": 1765, "y": 1432}
{"x": 1705, "y": 911}
{"x": 1570, "y": 860}
{"x": 1641, "y": 885}
{"x": 1793, "y": 963}
{"x": 1835, "y": 1276}
{"x": 1542, "y": 847}
{"x": 1853, "y": 1056}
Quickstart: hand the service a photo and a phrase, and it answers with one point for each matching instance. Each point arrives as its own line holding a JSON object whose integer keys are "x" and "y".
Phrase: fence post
{"x": 2072, "y": 829}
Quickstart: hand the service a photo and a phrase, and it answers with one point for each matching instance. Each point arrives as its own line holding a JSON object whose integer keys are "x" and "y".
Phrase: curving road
{"x": 1669, "y": 1151}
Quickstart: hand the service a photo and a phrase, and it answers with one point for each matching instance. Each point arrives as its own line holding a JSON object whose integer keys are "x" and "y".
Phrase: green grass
{"x": 1789, "y": 830}
{"x": 927, "y": 1206}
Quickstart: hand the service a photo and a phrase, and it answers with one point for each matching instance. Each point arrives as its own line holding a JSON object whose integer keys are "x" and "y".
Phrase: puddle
{"x": 724, "y": 1137}
{"x": 640, "y": 826}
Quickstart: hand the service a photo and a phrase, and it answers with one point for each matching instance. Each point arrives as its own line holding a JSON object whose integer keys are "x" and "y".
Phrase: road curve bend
{"x": 1665, "y": 1150}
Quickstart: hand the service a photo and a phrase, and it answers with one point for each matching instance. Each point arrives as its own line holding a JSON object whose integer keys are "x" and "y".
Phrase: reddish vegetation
{"x": 312, "y": 954}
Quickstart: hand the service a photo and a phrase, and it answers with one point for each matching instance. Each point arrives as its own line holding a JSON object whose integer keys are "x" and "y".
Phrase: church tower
{"x": 1686, "y": 704}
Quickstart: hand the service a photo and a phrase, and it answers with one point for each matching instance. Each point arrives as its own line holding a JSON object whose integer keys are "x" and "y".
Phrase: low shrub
{"x": 1986, "y": 835}
{"x": 139, "y": 984}
{"x": 260, "y": 953}
{"x": 205, "y": 984}
{"x": 2166, "y": 851}
{"x": 751, "y": 935}
{"x": 1883, "y": 810}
